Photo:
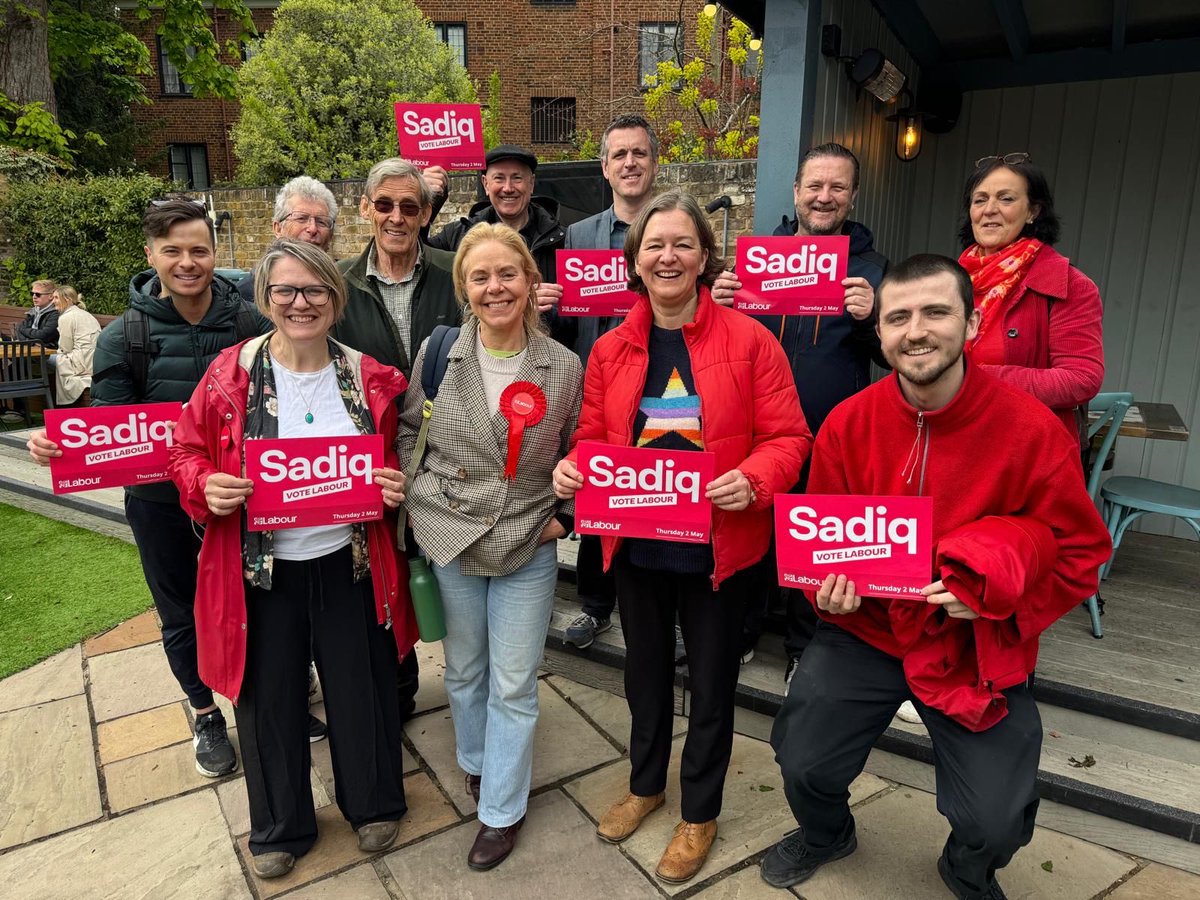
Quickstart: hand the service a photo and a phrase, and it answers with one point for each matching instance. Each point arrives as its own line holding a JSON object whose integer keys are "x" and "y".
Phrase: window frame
{"x": 441, "y": 29}
{"x": 550, "y": 114}
{"x": 185, "y": 89}
{"x": 187, "y": 149}
{"x": 659, "y": 28}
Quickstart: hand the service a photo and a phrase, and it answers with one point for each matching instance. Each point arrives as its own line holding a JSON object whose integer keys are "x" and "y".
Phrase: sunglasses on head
{"x": 385, "y": 205}
{"x": 1009, "y": 159}
{"x": 167, "y": 201}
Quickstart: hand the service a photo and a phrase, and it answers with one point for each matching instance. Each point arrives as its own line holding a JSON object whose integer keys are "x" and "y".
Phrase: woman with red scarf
{"x": 1041, "y": 325}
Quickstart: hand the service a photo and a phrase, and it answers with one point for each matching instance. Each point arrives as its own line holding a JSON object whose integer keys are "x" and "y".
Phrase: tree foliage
{"x": 317, "y": 98}
{"x": 698, "y": 115}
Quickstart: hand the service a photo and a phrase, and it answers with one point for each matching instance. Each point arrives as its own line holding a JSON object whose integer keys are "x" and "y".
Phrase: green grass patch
{"x": 60, "y": 584}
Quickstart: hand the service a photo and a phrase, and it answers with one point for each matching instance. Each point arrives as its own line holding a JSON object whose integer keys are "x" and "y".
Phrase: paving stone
{"x": 130, "y": 681}
{"x": 236, "y": 806}
{"x": 609, "y": 711}
{"x": 557, "y": 855}
{"x": 564, "y": 743}
{"x": 744, "y": 885}
{"x": 754, "y": 814}
{"x": 160, "y": 773}
{"x": 359, "y": 883}
{"x": 47, "y": 771}
{"x": 431, "y": 692}
{"x": 1158, "y": 882}
{"x": 133, "y": 632}
{"x": 142, "y": 732}
{"x": 900, "y": 837}
{"x": 177, "y": 849}
{"x": 52, "y": 679}
{"x": 337, "y": 845}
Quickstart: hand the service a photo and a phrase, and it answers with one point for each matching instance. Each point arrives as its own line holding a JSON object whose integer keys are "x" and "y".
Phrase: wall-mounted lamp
{"x": 908, "y": 133}
{"x": 870, "y": 70}
{"x": 755, "y": 44}
{"x": 710, "y": 10}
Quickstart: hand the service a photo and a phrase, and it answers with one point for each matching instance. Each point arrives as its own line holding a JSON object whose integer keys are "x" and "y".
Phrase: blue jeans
{"x": 495, "y": 634}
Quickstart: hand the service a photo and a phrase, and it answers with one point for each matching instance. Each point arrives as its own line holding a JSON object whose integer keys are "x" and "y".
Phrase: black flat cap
{"x": 510, "y": 151}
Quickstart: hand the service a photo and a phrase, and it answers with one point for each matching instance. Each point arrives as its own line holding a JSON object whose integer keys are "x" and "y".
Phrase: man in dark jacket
{"x": 41, "y": 322}
{"x": 399, "y": 291}
{"x": 190, "y": 316}
{"x": 305, "y": 210}
{"x": 830, "y": 355}
{"x": 508, "y": 178}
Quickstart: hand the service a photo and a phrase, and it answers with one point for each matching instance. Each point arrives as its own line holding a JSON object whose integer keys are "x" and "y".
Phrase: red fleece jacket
{"x": 1016, "y": 536}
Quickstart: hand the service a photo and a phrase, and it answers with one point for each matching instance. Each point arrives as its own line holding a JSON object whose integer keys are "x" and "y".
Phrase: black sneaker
{"x": 790, "y": 861}
{"x": 317, "y": 730}
{"x": 793, "y": 661}
{"x": 993, "y": 891}
{"x": 214, "y": 752}
{"x": 583, "y": 630}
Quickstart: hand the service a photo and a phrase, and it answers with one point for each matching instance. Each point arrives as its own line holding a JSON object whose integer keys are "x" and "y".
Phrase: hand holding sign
{"x": 730, "y": 492}
{"x": 391, "y": 481}
{"x": 566, "y": 479}
{"x": 441, "y": 134}
{"x": 838, "y": 596}
{"x": 799, "y": 275}
{"x": 224, "y": 493}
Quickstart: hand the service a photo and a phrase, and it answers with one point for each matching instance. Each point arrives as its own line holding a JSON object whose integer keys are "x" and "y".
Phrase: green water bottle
{"x": 426, "y": 600}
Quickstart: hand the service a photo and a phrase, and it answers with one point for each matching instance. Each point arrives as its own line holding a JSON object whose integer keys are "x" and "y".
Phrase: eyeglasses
{"x": 385, "y": 205}
{"x": 41, "y": 293}
{"x": 1009, "y": 159}
{"x": 302, "y": 219}
{"x": 285, "y": 294}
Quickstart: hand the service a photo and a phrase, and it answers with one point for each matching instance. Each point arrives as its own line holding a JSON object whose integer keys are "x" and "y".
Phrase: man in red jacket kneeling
{"x": 1017, "y": 544}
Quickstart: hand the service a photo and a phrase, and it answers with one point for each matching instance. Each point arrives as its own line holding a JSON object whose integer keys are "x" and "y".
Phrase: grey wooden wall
{"x": 1123, "y": 159}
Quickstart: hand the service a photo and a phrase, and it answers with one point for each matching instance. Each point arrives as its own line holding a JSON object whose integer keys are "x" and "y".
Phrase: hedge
{"x": 83, "y": 232}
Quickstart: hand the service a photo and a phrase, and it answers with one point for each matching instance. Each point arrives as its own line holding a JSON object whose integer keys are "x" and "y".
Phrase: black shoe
{"x": 790, "y": 861}
{"x": 316, "y": 729}
{"x": 793, "y": 661}
{"x": 214, "y": 752}
{"x": 993, "y": 891}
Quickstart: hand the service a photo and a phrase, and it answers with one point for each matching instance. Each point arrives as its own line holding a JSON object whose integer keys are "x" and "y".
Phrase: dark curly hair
{"x": 1045, "y": 227}
{"x": 666, "y": 202}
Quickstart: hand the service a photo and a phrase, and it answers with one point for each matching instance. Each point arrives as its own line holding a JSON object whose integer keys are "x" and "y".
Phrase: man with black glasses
{"x": 305, "y": 210}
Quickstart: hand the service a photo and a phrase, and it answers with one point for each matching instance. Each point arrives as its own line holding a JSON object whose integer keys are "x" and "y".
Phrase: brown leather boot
{"x": 623, "y": 819}
{"x": 688, "y": 850}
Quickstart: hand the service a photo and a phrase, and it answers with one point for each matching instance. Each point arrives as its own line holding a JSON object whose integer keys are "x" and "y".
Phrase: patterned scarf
{"x": 262, "y": 421}
{"x": 995, "y": 278}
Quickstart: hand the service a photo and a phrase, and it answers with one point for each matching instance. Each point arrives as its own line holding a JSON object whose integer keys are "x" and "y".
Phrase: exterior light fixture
{"x": 909, "y": 131}
{"x": 877, "y": 75}
{"x": 710, "y": 10}
{"x": 755, "y": 44}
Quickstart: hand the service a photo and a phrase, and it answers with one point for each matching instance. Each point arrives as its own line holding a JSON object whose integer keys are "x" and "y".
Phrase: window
{"x": 552, "y": 119}
{"x": 656, "y": 43}
{"x": 250, "y": 49}
{"x": 172, "y": 84}
{"x": 455, "y": 37}
{"x": 189, "y": 165}
{"x": 552, "y": 2}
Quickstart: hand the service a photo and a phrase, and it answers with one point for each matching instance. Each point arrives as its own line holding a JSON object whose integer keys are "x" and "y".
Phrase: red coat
{"x": 1016, "y": 536}
{"x": 1053, "y": 337}
{"x": 749, "y": 414}
{"x": 208, "y": 439}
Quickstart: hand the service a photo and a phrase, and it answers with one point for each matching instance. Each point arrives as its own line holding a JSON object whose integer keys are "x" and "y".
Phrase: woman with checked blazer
{"x": 483, "y": 510}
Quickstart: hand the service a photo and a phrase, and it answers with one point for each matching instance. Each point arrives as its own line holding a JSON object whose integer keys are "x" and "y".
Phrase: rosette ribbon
{"x": 522, "y": 404}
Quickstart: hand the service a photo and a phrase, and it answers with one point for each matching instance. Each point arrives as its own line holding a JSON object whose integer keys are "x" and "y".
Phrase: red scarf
{"x": 995, "y": 278}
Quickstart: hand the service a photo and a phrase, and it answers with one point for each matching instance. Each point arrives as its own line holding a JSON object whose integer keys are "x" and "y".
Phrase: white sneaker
{"x": 908, "y": 713}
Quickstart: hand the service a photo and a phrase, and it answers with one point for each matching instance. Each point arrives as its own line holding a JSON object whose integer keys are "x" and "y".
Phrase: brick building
{"x": 566, "y": 67}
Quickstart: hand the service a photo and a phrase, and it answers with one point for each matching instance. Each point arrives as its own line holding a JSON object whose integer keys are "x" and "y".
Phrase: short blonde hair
{"x": 65, "y": 295}
{"x": 313, "y": 258}
{"x": 500, "y": 234}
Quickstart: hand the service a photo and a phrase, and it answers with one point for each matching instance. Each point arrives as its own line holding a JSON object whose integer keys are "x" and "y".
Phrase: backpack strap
{"x": 136, "y": 334}
{"x": 246, "y": 324}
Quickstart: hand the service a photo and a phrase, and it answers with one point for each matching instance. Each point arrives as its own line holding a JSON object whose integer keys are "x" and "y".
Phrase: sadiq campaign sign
{"x": 593, "y": 283}
{"x": 643, "y": 493}
{"x": 110, "y": 446}
{"x": 449, "y": 135}
{"x": 792, "y": 275}
{"x": 882, "y": 544}
{"x": 301, "y": 482}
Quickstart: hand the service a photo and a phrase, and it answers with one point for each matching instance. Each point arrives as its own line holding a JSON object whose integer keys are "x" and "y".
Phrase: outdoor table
{"x": 1152, "y": 421}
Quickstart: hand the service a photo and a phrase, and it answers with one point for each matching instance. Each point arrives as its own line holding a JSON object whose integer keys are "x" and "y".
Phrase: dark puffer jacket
{"x": 831, "y": 355}
{"x": 543, "y": 235}
{"x": 180, "y": 354}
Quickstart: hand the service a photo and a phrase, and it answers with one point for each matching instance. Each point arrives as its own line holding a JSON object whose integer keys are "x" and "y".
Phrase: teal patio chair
{"x": 1112, "y": 407}
{"x": 1127, "y": 498}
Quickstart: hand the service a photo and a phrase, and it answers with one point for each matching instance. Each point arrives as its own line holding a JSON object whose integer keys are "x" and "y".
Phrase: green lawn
{"x": 60, "y": 584}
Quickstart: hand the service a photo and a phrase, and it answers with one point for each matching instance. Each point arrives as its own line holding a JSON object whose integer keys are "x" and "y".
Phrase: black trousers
{"x": 169, "y": 548}
{"x": 801, "y": 622}
{"x": 596, "y": 588}
{"x": 356, "y": 659}
{"x": 712, "y": 634}
{"x": 841, "y": 699}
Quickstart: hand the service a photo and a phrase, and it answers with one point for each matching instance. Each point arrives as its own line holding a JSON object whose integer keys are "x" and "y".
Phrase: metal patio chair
{"x": 17, "y": 374}
{"x": 1112, "y": 407}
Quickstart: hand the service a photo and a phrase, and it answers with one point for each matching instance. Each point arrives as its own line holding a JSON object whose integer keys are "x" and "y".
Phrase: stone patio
{"x": 99, "y": 798}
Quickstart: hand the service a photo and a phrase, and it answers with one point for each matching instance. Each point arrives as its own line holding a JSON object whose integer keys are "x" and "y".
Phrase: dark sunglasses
{"x": 1009, "y": 159}
{"x": 385, "y": 205}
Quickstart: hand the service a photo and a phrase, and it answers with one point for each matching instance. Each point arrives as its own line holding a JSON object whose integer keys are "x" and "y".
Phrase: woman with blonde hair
{"x": 77, "y": 333}
{"x": 483, "y": 510}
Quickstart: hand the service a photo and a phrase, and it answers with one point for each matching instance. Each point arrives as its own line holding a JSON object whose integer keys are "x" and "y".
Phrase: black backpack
{"x": 437, "y": 358}
{"x": 137, "y": 341}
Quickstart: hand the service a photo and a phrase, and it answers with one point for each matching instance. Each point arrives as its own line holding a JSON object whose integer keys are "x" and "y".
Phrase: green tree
{"x": 318, "y": 96}
{"x": 698, "y": 114}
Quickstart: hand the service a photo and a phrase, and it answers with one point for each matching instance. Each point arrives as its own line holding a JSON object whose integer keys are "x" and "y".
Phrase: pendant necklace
{"x": 308, "y": 416}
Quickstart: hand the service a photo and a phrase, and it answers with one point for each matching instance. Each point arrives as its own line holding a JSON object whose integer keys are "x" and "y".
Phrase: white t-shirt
{"x": 301, "y": 394}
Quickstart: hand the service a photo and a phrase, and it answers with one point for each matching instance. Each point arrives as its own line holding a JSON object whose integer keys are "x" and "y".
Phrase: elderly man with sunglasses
{"x": 398, "y": 291}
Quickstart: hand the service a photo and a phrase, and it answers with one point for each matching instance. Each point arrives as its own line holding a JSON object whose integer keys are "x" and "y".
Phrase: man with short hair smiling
{"x": 1017, "y": 543}
{"x": 305, "y": 210}
{"x": 41, "y": 322}
{"x": 190, "y": 315}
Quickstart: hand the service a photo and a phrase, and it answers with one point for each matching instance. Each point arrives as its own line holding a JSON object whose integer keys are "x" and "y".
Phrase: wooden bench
{"x": 12, "y": 316}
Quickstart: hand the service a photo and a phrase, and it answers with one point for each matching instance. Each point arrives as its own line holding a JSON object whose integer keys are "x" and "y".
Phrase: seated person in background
{"x": 41, "y": 322}
{"x": 77, "y": 333}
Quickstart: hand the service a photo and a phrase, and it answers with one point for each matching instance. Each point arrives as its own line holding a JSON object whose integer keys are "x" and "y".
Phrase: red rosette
{"x": 522, "y": 404}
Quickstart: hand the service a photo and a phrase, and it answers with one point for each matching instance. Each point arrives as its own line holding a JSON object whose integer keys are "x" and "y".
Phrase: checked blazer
{"x": 458, "y": 503}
